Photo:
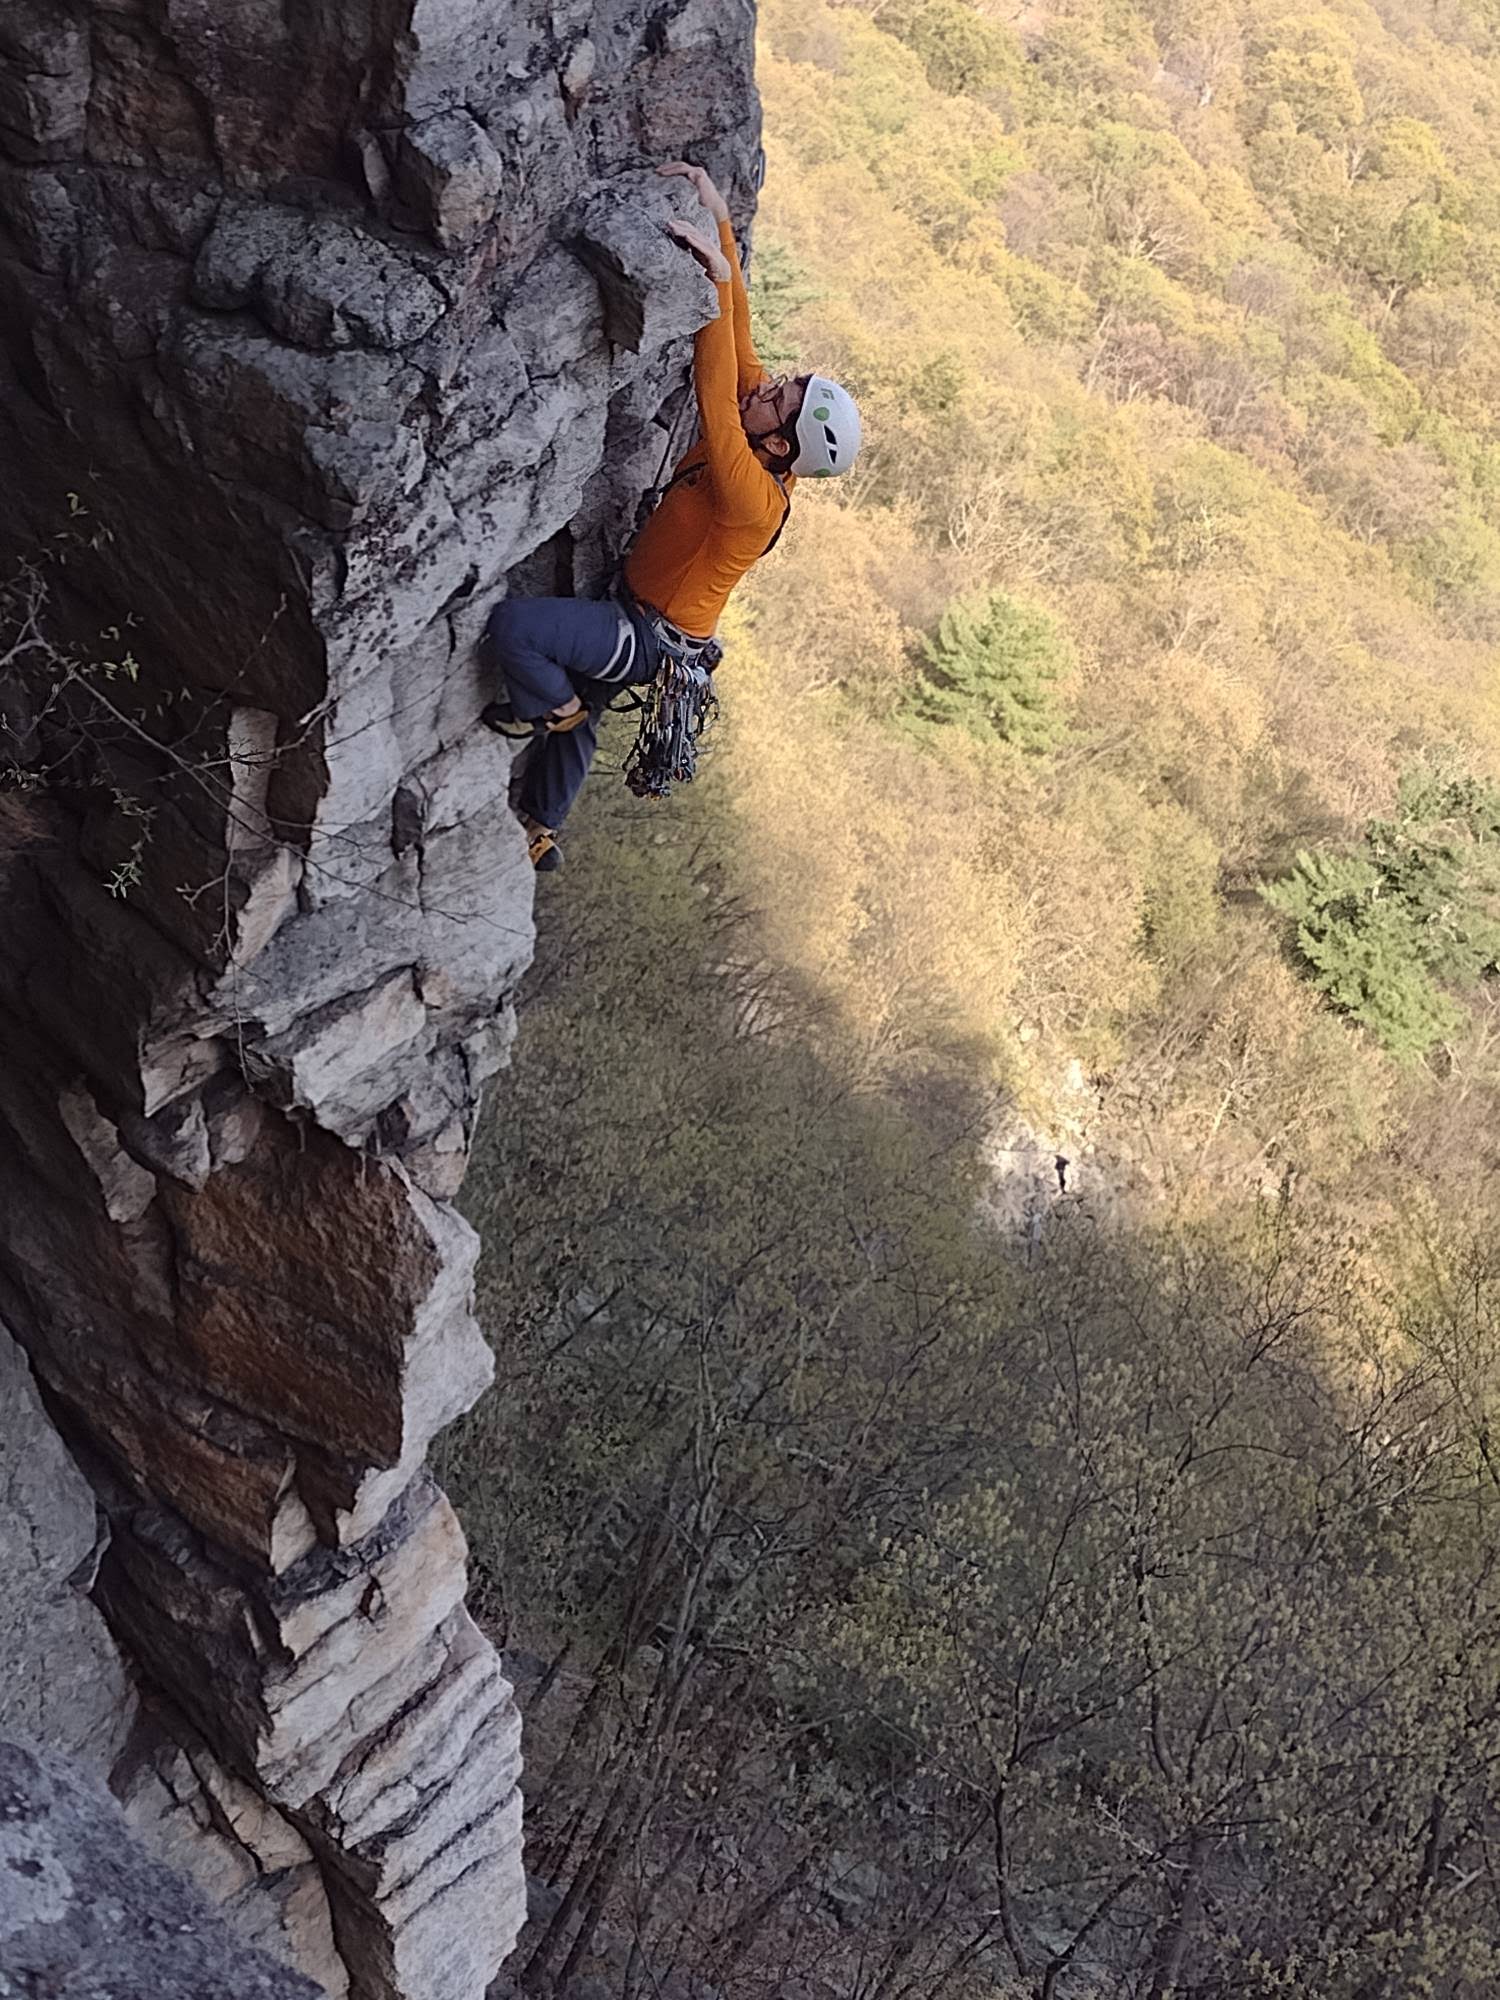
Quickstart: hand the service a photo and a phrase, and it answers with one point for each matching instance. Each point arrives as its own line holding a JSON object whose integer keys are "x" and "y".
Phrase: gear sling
{"x": 679, "y": 703}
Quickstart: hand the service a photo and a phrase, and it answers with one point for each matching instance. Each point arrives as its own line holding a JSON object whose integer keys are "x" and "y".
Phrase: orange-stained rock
{"x": 277, "y": 1316}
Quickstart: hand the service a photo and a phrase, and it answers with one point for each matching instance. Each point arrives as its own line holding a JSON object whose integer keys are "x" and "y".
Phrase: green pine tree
{"x": 1441, "y": 856}
{"x": 1363, "y": 949}
{"x": 1385, "y": 931}
{"x": 993, "y": 670}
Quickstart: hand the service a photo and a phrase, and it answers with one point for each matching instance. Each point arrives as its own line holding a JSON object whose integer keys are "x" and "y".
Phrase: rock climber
{"x": 561, "y": 659}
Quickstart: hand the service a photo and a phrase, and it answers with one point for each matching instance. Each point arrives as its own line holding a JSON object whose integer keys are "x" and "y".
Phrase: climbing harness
{"x": 678, "y": 704}
{"x": 675, "y": 706}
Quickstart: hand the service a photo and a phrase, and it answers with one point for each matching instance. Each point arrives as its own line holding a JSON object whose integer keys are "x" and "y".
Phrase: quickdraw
{"x": 676, "y": 708}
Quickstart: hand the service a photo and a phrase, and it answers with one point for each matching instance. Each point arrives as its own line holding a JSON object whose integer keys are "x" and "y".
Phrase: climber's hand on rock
{"x": 709, "y": 255}
{"x": 708, "y": 194}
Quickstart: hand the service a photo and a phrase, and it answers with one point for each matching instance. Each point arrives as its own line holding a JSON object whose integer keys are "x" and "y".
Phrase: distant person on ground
{"x": 561, "y": 659}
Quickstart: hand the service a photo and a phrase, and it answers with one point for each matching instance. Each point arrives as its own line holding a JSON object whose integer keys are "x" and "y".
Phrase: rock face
{"x": 320, "y": 326}
{"x": 83, "y": 1912}
{"x": 61, "y": 1681}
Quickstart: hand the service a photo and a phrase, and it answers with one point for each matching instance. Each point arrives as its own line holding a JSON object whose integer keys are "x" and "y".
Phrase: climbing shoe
{"x": 559, "y": 725}
{"x": 541, "y": 845}
{"x": 502, "y": 718}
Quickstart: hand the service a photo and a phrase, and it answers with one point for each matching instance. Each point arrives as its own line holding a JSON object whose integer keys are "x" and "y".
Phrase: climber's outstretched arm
{"x": 749, "y": 370}
{"x": 740, "y": 481}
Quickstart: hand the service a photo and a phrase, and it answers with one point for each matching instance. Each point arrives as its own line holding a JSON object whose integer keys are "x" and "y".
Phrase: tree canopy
{"x": 990, "y": 1231}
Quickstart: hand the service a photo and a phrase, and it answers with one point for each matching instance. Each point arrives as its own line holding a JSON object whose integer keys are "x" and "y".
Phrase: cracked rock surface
{"x": 84, "y": 1912}
{"x": 320, "y": 328}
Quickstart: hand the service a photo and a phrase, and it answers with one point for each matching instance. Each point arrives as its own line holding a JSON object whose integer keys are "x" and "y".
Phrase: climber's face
{"x": 770, "y": 408}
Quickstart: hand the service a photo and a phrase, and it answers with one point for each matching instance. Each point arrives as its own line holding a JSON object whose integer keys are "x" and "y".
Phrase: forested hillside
{"x": 1177, "y": 328}
{"x": 925, "y": 1608}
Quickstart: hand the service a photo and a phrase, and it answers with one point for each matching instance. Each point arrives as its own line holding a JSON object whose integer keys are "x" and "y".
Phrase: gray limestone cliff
{"x": 84, "y": 1912}
{"x": 320, "y": 327}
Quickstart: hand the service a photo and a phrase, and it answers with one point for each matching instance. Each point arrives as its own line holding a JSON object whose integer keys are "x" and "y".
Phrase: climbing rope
{"x": 675, "y": 710}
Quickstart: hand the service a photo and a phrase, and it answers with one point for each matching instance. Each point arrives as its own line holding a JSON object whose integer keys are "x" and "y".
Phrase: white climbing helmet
{"x": 828, "y": 431}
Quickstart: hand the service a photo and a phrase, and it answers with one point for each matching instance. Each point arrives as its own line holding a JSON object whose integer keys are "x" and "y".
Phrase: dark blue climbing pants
{"x": 548, "y": 648}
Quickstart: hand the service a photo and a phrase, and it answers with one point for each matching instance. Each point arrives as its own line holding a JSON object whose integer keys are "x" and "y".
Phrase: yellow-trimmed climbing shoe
{"x": 502, "y": 718}
{"x": 559, "y": 725}
{"x": 541, "y": 847}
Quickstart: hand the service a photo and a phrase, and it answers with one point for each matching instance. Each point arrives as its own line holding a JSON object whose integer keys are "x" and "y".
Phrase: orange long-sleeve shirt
{"x": 711, "y": 528}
